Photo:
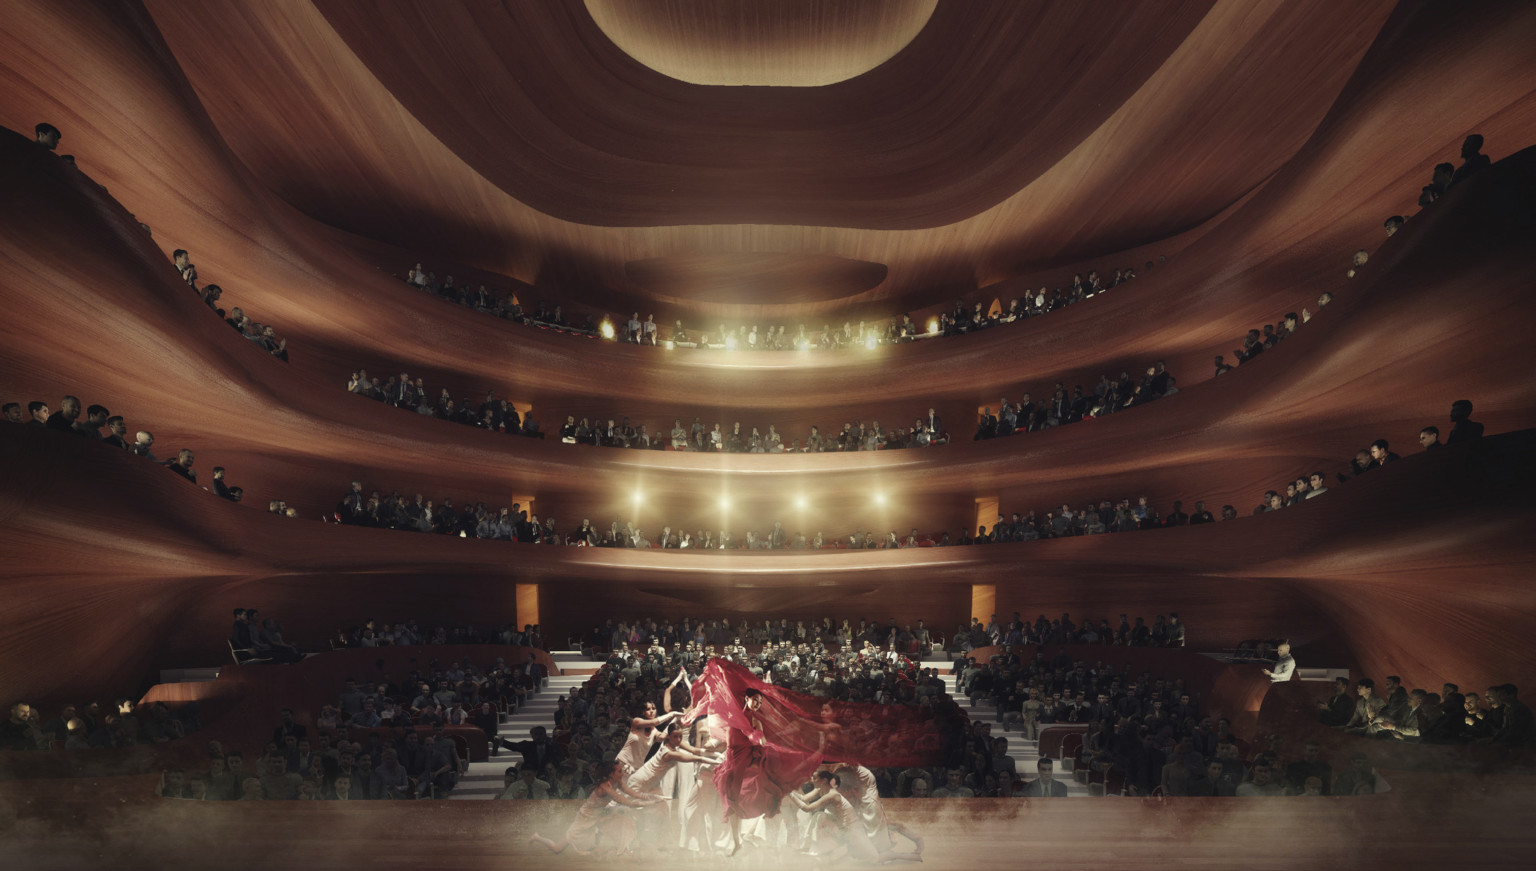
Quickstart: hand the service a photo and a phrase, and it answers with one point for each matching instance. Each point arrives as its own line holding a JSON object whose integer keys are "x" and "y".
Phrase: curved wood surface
{"x": 296, "y": 149}
{"x": 797, "y": 43}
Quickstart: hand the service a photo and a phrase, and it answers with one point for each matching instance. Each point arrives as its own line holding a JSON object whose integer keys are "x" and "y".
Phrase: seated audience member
{"x": 1429, "y": 438}
{"x": 220, "y": 489}
{"x": 953, "y": 787}
{"x": 182, "y": 465}
{"x": 117, "y": 431}
{"x": 12, "y": 413}
{"x": 277, "y": 782}
{"x": 1368, "y": 708}
{"x": 1311, "y": 766}
{"x": 1381, "y": 455}
{"x": 389, "y": 780}
{"x": 1393, "y": 224}
{"x": 1222, "y": 366}
{"x": 1473, "y": 161}
{"x": 1358, "y": 779}
{"x": 1339, "y": 707}
{"x": 143, "y": 441}
{"x": 95, "y": 418}
{"x": 1360, "y": 259}
{"x": 1315, "y": 485}
{"x": 1253, "y": 346}
{"x": 1515, "y": 726}
{"x": 266, "y": 636}
{"x": 341, "y": 788}
{"x": 1262, "y": 781}
{"x": 1465, "y": 429}
{"x": 1045, "y": 785}
{"x": 526, "y": 786}
{"x": 20, "y": 730}
{"x": 436, "y": 767}
{"x": 48, "y": 136}
{"x": 38, "y": 413}
{"x": 63, "y": 420}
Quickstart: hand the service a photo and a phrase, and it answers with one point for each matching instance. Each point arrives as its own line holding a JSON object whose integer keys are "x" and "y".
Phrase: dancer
{"x": 840, "y": 826}
{"x": 643, "y": 732}
{"x": 672, "y": 752}
{"x": 699, "y": 805}
{"x": 776, "y": 738}
{"x": 600, "y": 815}
{"x": 858, "y": 783}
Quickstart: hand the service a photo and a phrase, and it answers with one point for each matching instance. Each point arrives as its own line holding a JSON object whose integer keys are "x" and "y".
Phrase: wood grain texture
{"x": 296, "y": 150}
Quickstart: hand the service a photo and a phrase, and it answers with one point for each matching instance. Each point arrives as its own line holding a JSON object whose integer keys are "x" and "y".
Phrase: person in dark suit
{"x": 1473, "y": 161}
{"x": 240, "y": 633}
{"x": 64, "y": 419}
{"x": 1429, "y": 438}
{"x": 220, "y": 489}
{"x": 1466, "y": 430}
{"x": 1381, "y": 455}
{"x": 38, "y": 413}
{"x": 117, "y": 431}
{"x": 1340, "y": 708}
{"x": 538, "y": 751}
{"x": 986, "y": 426}
{"x": 1046, "y": 785}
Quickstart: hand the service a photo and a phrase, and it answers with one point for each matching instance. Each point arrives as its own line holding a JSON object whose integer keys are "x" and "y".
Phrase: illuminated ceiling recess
{"x": 779, "y": 43}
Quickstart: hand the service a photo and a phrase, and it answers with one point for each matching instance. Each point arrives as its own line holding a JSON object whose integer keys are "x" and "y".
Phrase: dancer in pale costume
{"x": 673, "y": 751}
{"x": 603, "y": 815}
{"x": 841, "y": 828}
{"x": 699, "y": 805}
{"x": 858, "y": 783}
{"x": 644, "y": 730}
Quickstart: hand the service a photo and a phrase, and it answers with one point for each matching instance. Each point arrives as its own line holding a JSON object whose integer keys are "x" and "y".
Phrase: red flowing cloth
{"x": 770, "y": 752}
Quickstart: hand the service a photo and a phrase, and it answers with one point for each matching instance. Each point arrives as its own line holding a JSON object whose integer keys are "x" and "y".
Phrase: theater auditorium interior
{"x": 908, "y": 187}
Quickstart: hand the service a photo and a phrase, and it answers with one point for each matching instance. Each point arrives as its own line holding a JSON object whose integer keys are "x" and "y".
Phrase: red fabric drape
{"x": 774, "y": 749}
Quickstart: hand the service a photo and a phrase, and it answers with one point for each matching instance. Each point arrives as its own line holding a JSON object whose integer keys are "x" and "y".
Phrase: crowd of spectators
{"x": 90, "y": 726}
{"x": 380, "y": 740}
{"x": 1269, "y": 335}
{"x": 374, "y": 633}
{"x": 688, "y": 638}
{"x": 1061, "y": 408}
{"x": 255, "y": 640}
{"x": 1393, "y": 712}
{"x": 97, "y": 423}
{"x": 961, "y": 319}
{"x": 1444, "y": 176}
{"x": 1146, "y": 735}
{"x": 515, "y": 524}
{"x": 261, "y": 335}
{"x": 1165, "y": 631}
{"x": 1464, "y": 431}
{"x": 499, "y": 415}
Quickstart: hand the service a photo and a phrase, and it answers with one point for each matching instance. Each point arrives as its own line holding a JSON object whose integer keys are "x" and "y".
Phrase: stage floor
{"x": 1427, "y": 820}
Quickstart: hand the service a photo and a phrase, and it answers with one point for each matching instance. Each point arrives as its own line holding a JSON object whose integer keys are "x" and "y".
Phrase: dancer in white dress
{"x": 858, "y": 783}
{"x": 841, "y": 829}
{"x": 644, "y": 730}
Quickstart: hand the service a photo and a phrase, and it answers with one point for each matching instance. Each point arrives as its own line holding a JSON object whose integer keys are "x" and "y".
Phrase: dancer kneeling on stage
{"x": 840, "y": 827}
{"x": 603, "y": 815}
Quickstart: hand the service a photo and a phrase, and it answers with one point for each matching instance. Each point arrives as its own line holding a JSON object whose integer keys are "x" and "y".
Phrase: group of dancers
{"x": 726, "y": 769}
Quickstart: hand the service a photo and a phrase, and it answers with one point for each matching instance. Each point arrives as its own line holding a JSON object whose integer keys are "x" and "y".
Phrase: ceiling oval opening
{"x": 772, "y": 43}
